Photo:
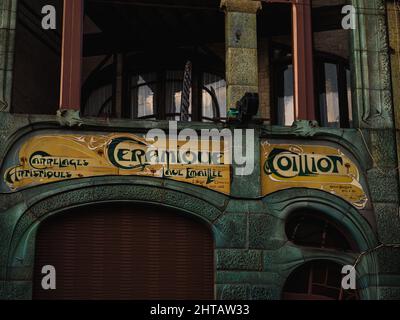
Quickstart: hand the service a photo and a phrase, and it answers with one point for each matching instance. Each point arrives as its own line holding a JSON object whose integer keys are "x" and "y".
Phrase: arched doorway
{"x": 125, "y": 251}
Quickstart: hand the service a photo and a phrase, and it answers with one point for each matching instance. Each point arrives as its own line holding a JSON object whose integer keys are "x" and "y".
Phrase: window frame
{"x": 161, "y": 85}
{"x": 320, "y": 58}
{"x": 106, "y": 71}
{"x": 321, "y": 217}
{"x": 102, "y": 74}
{"x": 304, "y": 90}
{"x": 309, "y": 268}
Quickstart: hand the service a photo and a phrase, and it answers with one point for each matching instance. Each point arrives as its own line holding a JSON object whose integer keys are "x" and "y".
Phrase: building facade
{"x": 78, "y": 193}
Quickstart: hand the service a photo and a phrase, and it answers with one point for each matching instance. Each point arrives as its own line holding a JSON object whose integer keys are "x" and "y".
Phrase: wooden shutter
{"x": 125, "y": 252}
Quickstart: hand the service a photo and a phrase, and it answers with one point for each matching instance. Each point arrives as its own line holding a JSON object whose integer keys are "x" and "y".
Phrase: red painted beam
{"x": 71, "y": 59}
{"x": 303, "y": 62}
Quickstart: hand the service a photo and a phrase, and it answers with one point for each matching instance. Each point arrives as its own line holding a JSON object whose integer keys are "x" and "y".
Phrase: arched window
{"x": 312, "y": 230}
{"x": 158, "y": 94}
{"x": 134, "y": 60}
{"x": 320, "y": 279}
{"x": 154, "y": 85}
{"x": 317, "y": 280}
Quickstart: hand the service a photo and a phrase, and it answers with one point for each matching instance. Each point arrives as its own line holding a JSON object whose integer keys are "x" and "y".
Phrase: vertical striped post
{"x": 187, "y": 86}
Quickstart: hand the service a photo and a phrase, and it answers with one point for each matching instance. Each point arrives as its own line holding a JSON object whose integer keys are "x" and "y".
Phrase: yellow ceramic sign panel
{"x": 309, "y": 166}
{"x": 50, "y": 158}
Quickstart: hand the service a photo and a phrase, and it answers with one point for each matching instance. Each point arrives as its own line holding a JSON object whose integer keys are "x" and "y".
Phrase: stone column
{"x": 393, "y": 12}
{"x": 241, "y": 48}
{"x": 372, "y": 81}
{"x": 8, "y": 10}
{"x": 374, "y": 114}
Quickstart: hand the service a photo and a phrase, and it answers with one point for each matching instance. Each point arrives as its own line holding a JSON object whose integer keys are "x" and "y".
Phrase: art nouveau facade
{"x": 77, "y": 101}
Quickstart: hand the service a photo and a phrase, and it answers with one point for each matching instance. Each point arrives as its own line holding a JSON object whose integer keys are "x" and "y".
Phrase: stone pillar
{"x": 393, "y": 11}
{"x": 241, "y": 48}
{"x": 8, "y": 13}
{"x": 374, "y": 113}
{"x": 372, "y": 81}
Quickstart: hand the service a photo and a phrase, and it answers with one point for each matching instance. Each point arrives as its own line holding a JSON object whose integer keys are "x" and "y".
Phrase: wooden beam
{"x": 303, "y": 60}
{"x": 71, "y": 57}
{"x": 156, "y": 4}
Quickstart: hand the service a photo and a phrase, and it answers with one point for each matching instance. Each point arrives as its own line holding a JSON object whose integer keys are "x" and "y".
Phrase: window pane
{"x": 313, "y": 231}
{"x": 145, "y": 101}
{"x": 99, "y": 102}
{"x": 323, "y": 282}
{"x": 36, "y": 71}
{"x": 285, "y": 99}
{"x": 143, "y": 95}
{"x": 299, "y": 281}
{"x": 216, "y": 87}
{"x": 324, "y": 291}
{"x": 330, "y": 107}
{"x": 274, "y": 48}
{"x": 173, "y": 100}
{"x": 175, "y": 75}
{"x": 349, "y": 97}
{"x": 332, "y": 49}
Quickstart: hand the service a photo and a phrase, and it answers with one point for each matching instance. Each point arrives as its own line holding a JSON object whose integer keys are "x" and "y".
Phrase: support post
{"x": 241, "y": 48}
{"x": 303, "y": 60}
{"x": 71, "y": 66}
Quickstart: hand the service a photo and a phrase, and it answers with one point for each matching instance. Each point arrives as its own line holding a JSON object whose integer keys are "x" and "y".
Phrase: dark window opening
{"x": 37, "y": 65}
{"x": 332, "y": 64}
{"x": 134, "y": 59}
{"x": 317, "y": 280}
{"x": 334, "y": 92}
{"x": 274, "y": 28}
{"x": 312, "y": 230}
